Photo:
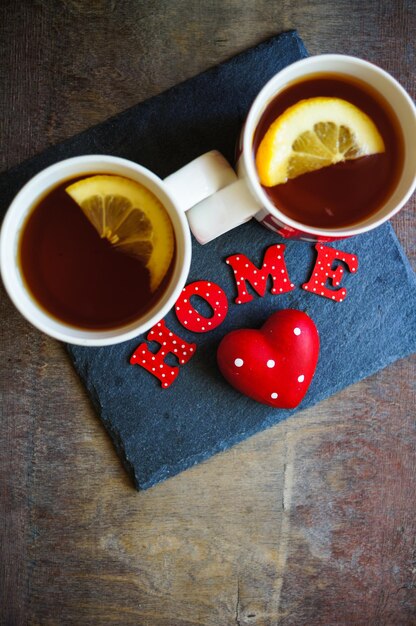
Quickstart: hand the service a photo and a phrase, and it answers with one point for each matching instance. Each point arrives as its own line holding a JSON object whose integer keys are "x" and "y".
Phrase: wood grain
{"x": 309, "y": 523}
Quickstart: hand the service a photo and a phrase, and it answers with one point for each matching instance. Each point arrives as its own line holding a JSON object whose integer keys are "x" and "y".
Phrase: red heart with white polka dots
{"x": 275, "y": 364}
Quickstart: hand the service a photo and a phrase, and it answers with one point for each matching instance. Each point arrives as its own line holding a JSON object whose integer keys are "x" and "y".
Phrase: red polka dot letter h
{"x": 154, "y": 362}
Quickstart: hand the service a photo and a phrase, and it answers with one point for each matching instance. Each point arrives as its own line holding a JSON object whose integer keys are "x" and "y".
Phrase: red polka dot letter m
{"x": 273, "y": 265}
{"x": 154, "y": 362}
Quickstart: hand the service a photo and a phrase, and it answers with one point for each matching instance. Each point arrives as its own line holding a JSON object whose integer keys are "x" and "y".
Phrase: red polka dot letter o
{"x": 190, "y": 317}
{"x": 154, "y": 362}
{"x": 323, "y": 271}
{"x": 273, "y": 265}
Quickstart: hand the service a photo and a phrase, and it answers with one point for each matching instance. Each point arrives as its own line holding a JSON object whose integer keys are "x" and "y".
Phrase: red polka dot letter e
{"x": 154, "y": 362}
{"x": 323, "y": 271}
{"x": 273, "y": 265}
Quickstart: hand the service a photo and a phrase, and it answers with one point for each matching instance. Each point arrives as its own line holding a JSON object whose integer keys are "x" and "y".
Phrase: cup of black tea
{"x": 327, "y": 151}
{"x": 350, "y": 129}
{"x": 94, "y": 250}
{"x": 99, "y": 264}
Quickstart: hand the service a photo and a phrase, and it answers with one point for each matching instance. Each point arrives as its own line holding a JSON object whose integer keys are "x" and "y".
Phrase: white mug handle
{"x": 213, "y": 196}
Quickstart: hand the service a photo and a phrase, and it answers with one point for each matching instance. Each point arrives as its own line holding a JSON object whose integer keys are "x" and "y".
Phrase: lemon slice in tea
{"x": 312, "y": 134}
{"x": 130, "y": 217}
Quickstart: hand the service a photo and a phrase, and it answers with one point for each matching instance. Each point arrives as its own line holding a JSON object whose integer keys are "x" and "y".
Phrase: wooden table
{"x": 311, "y": 522}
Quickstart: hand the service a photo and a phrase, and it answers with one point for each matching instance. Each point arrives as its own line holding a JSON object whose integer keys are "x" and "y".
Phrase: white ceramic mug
{"x": 245, "y": 198}
{"x": 30, "y": 195}
{"x": 188, "y": 191}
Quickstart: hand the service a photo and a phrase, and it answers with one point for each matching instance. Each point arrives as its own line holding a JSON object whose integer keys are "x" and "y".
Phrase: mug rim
{"x": 253, "y": 117}
{"x": 14, "y": 220}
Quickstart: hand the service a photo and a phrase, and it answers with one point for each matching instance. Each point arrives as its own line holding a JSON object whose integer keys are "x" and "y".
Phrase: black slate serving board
{"x": 160, "y": 432}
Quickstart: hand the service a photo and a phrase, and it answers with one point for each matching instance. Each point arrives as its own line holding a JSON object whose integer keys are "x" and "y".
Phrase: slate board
{"x": 160, "y": 432}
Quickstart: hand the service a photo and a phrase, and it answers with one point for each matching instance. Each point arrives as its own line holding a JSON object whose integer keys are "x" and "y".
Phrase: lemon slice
{"x": 312, "y": 134}
{"x": 130, "y": 217}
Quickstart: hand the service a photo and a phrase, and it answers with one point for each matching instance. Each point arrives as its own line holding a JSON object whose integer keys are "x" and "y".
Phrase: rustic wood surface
{"x": 309, "y": 523}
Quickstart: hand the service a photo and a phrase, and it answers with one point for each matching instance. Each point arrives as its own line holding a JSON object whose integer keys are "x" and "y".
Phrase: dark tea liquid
{"x": 75, "y": 275}
{"x": 345, "y": 193}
